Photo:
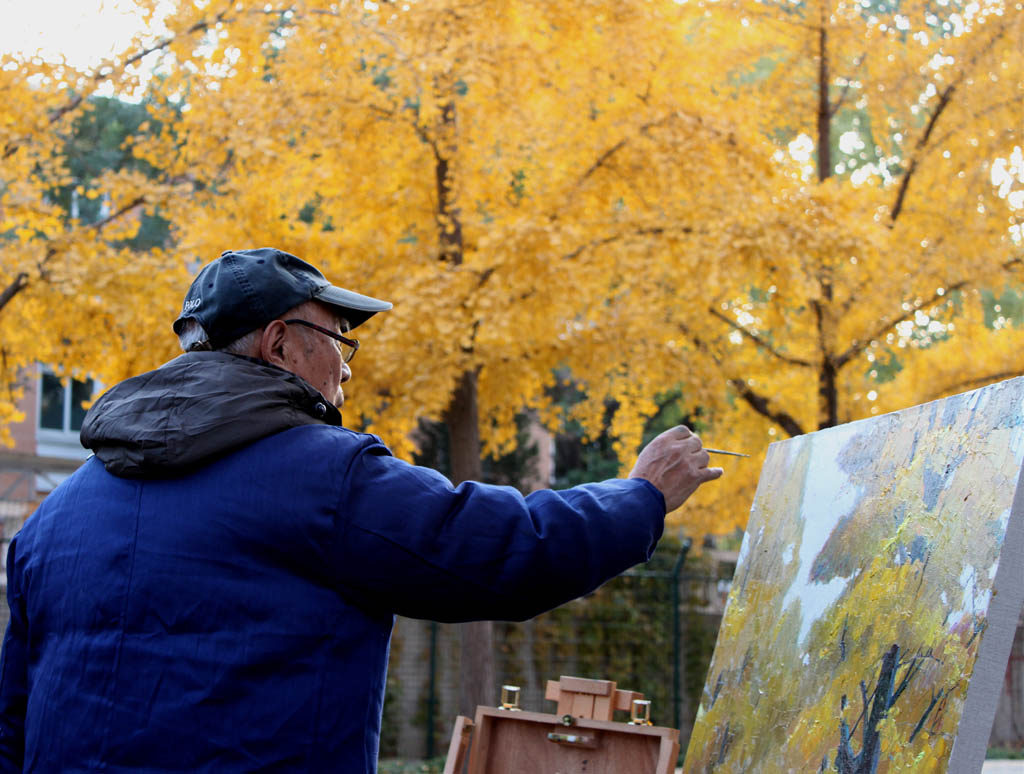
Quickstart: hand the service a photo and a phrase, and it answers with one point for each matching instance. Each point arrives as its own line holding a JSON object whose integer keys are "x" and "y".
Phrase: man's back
{"x": 195, "y": 624}
{"x": 238, "y": 618}
{"x": 215, "y": 590}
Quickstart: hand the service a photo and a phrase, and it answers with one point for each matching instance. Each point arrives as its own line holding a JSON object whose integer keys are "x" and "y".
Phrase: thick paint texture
{"x": 862, "y": 592}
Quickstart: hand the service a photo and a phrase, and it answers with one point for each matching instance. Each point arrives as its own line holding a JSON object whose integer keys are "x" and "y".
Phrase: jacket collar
{"x": 194, "y": 409}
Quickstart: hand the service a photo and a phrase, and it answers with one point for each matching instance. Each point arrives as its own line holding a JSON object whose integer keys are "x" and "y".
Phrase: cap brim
{"x": 354, "y": 307}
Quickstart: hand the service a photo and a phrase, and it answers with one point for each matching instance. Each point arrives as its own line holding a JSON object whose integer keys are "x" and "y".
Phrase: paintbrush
{"x": 720, "y": 451}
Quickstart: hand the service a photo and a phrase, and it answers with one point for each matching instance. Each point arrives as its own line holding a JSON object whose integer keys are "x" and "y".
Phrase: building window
{"x": 59, "y": 420}
{"x": 60, "y": 403}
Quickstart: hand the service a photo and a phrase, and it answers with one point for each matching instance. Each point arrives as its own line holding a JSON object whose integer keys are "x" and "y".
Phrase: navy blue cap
{"x": 245, "y": 289}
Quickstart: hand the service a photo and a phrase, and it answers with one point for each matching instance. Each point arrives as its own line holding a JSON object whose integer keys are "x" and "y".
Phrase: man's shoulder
{"x": 325, "y": 454}
{"x": 326, "y": 436}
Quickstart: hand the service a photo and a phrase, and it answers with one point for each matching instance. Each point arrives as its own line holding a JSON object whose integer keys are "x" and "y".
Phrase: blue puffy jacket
{"x": 230, "y": 611}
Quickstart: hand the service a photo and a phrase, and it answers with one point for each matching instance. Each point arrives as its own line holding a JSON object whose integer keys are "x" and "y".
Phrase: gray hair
{"x": 193, "y": 337}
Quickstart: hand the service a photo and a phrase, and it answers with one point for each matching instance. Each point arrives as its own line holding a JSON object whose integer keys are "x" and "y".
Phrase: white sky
{"x": 83, "y": 31}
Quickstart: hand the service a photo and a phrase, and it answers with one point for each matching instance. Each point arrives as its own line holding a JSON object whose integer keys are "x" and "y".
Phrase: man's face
{"x": 316, "y": 357}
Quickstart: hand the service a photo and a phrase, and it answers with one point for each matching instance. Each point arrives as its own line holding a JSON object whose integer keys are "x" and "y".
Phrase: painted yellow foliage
{"x": 601, "y": 185}
{"x": 858, "y": 607}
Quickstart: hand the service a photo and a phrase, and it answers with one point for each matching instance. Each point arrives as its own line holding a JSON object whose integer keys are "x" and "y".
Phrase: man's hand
{"x": 676, "y": 463}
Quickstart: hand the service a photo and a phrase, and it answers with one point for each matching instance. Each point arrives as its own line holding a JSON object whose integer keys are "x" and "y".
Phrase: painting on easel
{"x": 878, "y": 586}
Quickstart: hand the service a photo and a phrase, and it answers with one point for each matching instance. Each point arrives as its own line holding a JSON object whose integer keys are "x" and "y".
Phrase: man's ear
{"x": 272, "y": 344}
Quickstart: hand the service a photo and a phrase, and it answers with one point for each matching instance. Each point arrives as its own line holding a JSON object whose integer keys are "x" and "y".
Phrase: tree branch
{"x": 104, "y": 72}
{"x": 420, "y": 131}
{"x": 944, "y": 99}
{"x": 901, "y": 194}
{"x": 573, "y": 254}
{"x": 974, "y": 383}
{"x": 18, "y": 284}
{"x": 600, "y": 161}
{"x": 756, "y": 401}
{"x": 846, "y": 89}
{"x": 607, "y": 154}
{"x": 861, "y": 344}
{"x": 641, "y": 231}
{"x": 912, "y": 669}
{"x": 974, "y": 117}
{"x": 761, "y": 343}
{"x": 99, "y": 225}
{"x": 865, "y": 701}
{"x": 928, "y": 710}
{"x": 760, "y": 404}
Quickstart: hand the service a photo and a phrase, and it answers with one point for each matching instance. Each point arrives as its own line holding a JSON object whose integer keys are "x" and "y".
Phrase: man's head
{"x": 269, "y": 304}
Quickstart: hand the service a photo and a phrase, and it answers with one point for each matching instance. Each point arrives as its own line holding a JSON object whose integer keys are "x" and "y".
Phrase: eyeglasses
{"x": 349, "y": 347}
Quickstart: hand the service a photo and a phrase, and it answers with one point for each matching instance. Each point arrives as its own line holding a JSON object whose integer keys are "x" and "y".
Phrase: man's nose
{"x": 346, "y": 373}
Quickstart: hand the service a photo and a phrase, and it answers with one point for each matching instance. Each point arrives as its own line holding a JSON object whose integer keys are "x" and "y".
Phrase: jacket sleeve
{"x": 13, "y": 674}
{"x": 410, "y": 542}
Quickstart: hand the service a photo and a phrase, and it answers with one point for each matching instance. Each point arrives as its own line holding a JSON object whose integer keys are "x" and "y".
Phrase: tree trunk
{"x": 824, "y": 108}
{"x": 476, "y": 646}
{"x": 464, "y": 431}
{"x": 477, "y": 685}
{"x": 476, "y": 639}
{"x": 828, "y": 395}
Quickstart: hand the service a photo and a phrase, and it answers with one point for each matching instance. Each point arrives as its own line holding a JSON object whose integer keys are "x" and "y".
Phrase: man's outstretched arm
{"x": 409, "y": 542}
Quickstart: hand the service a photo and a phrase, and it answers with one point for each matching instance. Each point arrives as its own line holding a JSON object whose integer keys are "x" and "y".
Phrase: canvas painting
{"x": 875, "y": 597}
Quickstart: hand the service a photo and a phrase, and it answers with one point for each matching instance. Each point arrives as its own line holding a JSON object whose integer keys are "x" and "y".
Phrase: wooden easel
{"x": 581, "y": 737}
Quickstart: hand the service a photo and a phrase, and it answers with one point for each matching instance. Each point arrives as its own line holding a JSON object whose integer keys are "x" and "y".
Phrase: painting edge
{"x": 985, "y": 685}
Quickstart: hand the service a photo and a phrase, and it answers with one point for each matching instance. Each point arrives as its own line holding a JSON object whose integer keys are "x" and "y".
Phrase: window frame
{"x": 50, "y": 442}
{"x": 65, "y": 431}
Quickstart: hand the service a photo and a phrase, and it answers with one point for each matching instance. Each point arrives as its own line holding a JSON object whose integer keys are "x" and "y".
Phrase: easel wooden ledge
{"x": 508, "y": 739}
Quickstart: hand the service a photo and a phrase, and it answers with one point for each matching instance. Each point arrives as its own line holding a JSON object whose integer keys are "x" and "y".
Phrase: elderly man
{"x": 214, "y": 590}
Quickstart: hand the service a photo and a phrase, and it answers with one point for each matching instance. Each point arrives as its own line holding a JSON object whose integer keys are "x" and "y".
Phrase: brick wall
{"x": 19, "y": 486}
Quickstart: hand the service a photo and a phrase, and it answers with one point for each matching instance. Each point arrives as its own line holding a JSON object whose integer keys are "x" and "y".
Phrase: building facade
{"x": 46, "y": 451}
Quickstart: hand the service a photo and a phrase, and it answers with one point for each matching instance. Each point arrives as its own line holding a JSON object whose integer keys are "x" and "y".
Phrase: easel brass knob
{"x": 510, "y": 697}
{"x": 640, "y": 713}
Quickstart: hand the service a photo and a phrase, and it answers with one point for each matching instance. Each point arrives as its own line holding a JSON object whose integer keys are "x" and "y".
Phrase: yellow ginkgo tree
{"x": 454, "y": 157}
{"x": 849, "y": 279}
{"x": 784, "y": 210}
{"x": 608, "y": 187}
{"x": 616, "y": 188}
{"x": 73, "y": 294}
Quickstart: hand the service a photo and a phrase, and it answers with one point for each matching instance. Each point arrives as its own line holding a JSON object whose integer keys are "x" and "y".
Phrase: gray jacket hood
{"x": 194, "y": 409}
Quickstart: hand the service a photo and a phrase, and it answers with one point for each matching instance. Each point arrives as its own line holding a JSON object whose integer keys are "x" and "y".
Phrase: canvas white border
{"x": 986, "y": 681}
